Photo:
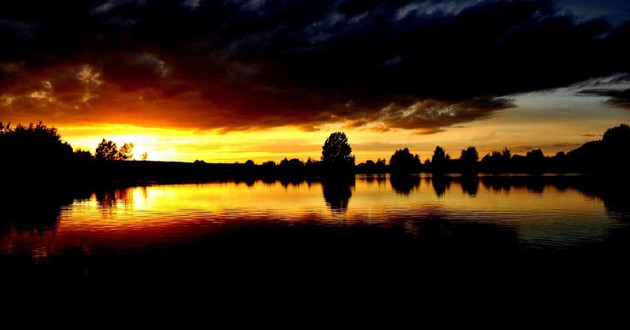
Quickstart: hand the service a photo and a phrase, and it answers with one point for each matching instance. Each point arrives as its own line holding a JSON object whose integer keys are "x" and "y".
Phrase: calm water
{"x": 484, "y": 215}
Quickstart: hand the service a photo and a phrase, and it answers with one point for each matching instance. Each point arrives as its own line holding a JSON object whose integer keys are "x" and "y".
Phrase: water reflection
{"x": 404, "y": 184}
{"x": 31, "y": 211}
{"x": 575, "y": 213}
{"x": 110, "y": 199}
{"x": 441, "y": 184}
{"x": 378, "y": 179}
{"x": 470, "y": 185}
{"x": 498, "y": 184}
{"x": 337, "y": 194}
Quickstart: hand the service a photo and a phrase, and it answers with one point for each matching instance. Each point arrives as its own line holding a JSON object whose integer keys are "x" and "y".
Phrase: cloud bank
{"x": 237, "y": 65}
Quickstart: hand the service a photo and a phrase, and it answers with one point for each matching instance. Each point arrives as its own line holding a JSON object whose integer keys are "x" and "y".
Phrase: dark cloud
{"x": 617, "y": 98}
{"x": 421, "y": 65}
{"x": 430, "y": 115}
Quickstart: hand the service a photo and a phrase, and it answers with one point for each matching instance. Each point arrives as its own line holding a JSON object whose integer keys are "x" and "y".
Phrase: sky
{"x": 227, "y": 81}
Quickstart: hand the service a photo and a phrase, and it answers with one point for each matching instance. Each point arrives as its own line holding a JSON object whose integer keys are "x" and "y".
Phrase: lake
{"x": 372, "y": 223}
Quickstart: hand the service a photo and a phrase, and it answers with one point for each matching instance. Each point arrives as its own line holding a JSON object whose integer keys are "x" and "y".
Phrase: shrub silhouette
{"x": 32, "y": 144}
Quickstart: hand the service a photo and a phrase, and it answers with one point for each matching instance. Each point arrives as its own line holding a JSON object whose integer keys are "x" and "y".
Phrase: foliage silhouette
{"x": 337, "y": 154}
{"x": 440, "y": 160}
{"x": 82, "y": 156}
{"x": 125, "y": 152}
{"x": 371, "y": 167}
{"x": 606, "y": 156}
{"x": 107, "y": 150}
{"x": 469, "y": 160}
{"x": 293, "y": 167}
{"x": 403, "y": 162}
{"x": 497, "y": 162}
{"x": 32, "y": 144}
{"x": 619, "y": 135}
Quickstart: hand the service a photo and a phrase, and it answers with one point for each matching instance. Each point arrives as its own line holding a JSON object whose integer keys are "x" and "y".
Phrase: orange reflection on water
{"x": 161, "y": 216}
{"x": 173, "y": 213}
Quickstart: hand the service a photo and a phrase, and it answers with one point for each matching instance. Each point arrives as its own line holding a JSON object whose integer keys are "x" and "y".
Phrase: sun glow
{"x": 533, "y": 124}
{"x": 172, "y": 144}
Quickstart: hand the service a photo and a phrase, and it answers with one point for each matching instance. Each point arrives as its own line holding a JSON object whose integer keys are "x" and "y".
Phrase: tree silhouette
{"x": 440, "y": 160}
{"x": 337, "y": 153}
{"x": 469, "y": 158}
{"x": 291, "y": 167}
{"x": 535, "y": 161}
{"x": 371, "y": 167}
{"x": 107, "y": 150}
{"x": 32, "y": 144}
{"x": 506, "y": 154}
{"x": 82, "y": 155}
{"x": 497, "y": 161}
{"x": 125, "y": 152}
{"x": 403, "y": 162}
{"x": 535, "y": 155}
{"x": 619, "y": 135}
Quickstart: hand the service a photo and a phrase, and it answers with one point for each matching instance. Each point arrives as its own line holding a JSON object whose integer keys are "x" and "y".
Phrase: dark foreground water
{"x": 377, "y": 231}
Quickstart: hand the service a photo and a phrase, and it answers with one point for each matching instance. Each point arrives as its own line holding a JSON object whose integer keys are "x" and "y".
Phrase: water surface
{"x": 419, "y": 215}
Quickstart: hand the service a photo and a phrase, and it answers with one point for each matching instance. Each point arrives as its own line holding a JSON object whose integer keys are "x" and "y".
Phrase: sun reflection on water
{"x": 137, "y": 218}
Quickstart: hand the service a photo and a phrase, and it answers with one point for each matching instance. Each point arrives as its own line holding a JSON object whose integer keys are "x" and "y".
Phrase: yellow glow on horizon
{"x": 553, "y": 122}
{"x": 174, "y": 144}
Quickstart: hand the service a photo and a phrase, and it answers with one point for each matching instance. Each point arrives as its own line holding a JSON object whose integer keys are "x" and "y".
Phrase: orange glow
{"x": 552, "y": 122}
{"x": 138, "y": 217}
{"x": 151, "y": 208}
{"x": 173, "y": 144}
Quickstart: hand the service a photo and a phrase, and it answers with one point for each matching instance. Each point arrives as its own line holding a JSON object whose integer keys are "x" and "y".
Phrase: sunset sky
{"x": 227, "y": 81}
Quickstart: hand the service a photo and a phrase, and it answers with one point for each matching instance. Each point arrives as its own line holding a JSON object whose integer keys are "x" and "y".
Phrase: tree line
{"x": 611, "y": 154}
{"x": 39, "y": 144}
